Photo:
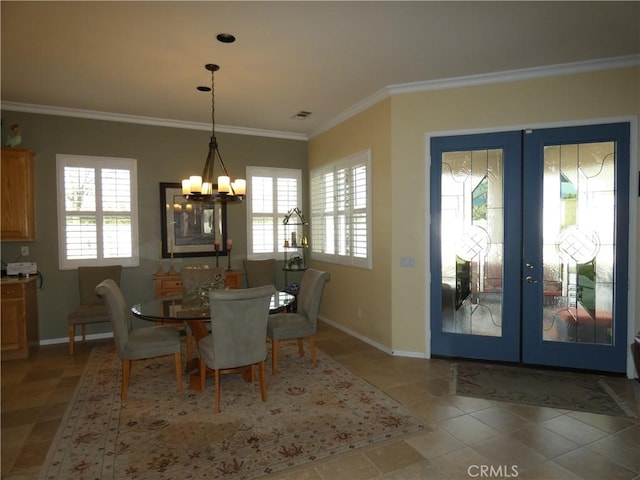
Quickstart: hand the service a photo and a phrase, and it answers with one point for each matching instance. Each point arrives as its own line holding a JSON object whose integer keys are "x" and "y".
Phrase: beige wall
{"x": 558, "y": 100}
{"x": 351, "y": 289}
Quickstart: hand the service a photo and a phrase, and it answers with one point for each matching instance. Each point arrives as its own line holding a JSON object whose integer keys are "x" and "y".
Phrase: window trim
{"x": 96, "y": 162}
{"x": 274, "y": 173}
{"x": 357, "y": 159}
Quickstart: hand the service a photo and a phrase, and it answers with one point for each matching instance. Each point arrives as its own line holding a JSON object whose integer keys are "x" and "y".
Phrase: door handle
{"x": 531, "y": 280}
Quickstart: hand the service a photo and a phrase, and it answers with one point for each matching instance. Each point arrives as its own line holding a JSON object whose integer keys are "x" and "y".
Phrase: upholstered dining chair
{"x": 137, "y": 343}
{"x": 303, "y": 323}
{"x": 92, "y": 308}
{"x": 237, "y": 341}
{"x": 260, "y": 272}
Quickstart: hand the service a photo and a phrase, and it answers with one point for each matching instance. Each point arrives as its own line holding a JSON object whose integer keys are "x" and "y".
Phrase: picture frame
{"x": 190, "y": 227}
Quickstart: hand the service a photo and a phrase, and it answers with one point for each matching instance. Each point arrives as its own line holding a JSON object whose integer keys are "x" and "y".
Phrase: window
{"x": 341, "y": 212}
{"x": 97, "y": 211}
{"x": 272, "y": 192}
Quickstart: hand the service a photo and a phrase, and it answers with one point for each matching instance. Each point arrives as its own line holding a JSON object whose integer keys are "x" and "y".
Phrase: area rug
{"x": 563, "y": 390}
{"x": 156, "y": 433}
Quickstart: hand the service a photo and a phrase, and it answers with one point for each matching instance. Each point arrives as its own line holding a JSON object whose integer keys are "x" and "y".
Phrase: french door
{"x": 529, "y": 246}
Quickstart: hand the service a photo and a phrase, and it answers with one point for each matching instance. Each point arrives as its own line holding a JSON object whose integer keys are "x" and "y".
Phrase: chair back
{"x": 118, "y": 313}
{"x": 239, "y": 325}
{"x": 90, "y": 277}
{"x": 260, "y": 272}
{"x": 310, "y": 295}
{"x": 198, "y": 280}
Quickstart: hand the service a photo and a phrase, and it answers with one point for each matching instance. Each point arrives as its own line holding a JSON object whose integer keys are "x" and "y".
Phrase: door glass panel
{"x": 472, "y": 243}
{"x": 579, "y": 247}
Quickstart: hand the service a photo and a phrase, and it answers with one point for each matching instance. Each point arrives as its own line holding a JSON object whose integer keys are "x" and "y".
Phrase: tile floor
{"x": 471, "y": 438}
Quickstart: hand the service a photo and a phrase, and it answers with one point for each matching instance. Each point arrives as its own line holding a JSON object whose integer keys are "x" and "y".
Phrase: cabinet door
{"x": 13, "y": 334}
{"x": 17, "y": 196}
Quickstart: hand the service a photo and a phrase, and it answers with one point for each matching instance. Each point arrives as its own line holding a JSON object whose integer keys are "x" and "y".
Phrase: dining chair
{"x": 237, "y": 341}
{"x": 92, "y": 308}
{"x": 303, "y": 323}
{"x": 137, "y": 343}
{"x": 260, "y": 272}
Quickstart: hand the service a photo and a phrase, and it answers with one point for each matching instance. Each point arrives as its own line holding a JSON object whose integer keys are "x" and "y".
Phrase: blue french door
{"x": 529, "y": 246}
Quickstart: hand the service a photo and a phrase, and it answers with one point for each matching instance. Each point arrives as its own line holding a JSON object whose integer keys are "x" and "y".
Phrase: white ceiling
{"x": 146, "y": 58}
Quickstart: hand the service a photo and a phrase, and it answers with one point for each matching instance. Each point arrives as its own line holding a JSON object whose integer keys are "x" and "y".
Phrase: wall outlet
{"x": 24, "y": 251}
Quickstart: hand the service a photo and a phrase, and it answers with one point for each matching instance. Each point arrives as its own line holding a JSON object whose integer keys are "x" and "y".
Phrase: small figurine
{"x": 15, "y": 137}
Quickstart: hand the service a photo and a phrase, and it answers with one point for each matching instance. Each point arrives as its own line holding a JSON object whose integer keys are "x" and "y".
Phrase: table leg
{"x": 199, "y": 330}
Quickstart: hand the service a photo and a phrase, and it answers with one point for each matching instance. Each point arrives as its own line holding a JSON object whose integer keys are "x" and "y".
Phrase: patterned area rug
{"x": 311, "y": 414}
{"x": 563, "y": 390}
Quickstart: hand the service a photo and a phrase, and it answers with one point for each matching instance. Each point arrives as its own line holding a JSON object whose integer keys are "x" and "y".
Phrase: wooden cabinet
{"x": 17, "y": 205}
{"x": 19, "y": 320}
{"x": 171, "y": 284}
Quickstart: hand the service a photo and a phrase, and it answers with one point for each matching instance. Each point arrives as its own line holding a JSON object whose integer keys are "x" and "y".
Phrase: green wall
{"x": 163, "y": 155}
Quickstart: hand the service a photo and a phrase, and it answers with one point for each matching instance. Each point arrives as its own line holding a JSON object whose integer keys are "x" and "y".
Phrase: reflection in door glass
{"x": 579, "y": 245}
{"x": 472, "y": 242}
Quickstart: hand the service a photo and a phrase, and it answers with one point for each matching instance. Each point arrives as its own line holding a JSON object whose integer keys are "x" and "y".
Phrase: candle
{"x": 195, "y": 182}
{"x": 229, "y": 244}
{"x": 223, "y": 184}
{"x": 160, "y": 242}
{"x": 216, "y": 244}
{"x": 239, "y": 186}
{"x": 171, "y": 249}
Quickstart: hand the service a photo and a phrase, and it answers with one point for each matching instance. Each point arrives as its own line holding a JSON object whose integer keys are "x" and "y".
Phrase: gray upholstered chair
{"x": 303, "y": 323}
{"x": 238, "y": 336}
{"x": 92, "y": 308}
{"x": 137, "y": 343}
{"x": 260, "y": 272}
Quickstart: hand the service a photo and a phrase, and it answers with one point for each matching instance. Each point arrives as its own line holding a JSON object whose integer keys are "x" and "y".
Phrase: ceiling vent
{"x": 301, "y": 115}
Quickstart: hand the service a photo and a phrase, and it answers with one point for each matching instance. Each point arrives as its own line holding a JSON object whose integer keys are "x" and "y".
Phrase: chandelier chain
{"x": 213, "y": 105}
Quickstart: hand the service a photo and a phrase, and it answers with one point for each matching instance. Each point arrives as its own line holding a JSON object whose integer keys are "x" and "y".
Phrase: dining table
{"x": 195, "y": 313}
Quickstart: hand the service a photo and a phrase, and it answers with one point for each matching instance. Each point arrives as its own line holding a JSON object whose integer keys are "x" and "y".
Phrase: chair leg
{"x": 126, "y": 373}
{"x": 216, "y": 374}
{"x": 274, "y": 356}
{"x": 263, "y": 383}
{"x": 188, "y": 349}
{"x": 203, "y": 373}
{"x": 300, "y": 348}
{"x": 178, "y": 359}
{"x": 312, "y": 345}
{"x": 72, "y": 337}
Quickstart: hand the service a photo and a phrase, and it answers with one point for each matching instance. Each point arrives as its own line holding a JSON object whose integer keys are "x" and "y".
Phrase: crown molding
{"x": 382, "y": 94}
{"x": 140, "y": 120}
{"x": 477, "y": 80}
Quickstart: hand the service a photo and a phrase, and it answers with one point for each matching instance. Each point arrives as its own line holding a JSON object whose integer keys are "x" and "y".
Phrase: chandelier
{"x": 203, "y": 187}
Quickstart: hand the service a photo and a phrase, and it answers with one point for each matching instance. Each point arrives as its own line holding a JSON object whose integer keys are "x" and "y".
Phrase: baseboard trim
{"x": 78, "y": 338}
{"x": 367, "y": 340}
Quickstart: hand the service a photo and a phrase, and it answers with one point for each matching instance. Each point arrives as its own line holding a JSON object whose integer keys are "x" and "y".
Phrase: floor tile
{"x": 468, "y": 429}
{"x": 543, "y": 441}
{"x": 588, "y": 464}
{"x": 573, "y": 429}
{"x": 393, "y": 456}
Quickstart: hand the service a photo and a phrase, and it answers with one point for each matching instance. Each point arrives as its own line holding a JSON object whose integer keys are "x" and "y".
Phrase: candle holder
{"x": 171, "y": 270}
{"x": 217, "y": 262}
{"x": 160, "y": 270}
{"x": 229, "y": 259}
